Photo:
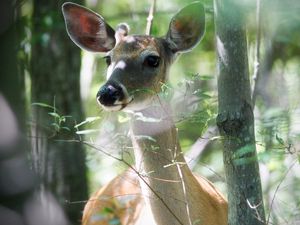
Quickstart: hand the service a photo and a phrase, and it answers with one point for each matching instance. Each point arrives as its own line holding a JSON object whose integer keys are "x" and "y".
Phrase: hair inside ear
{"x": 186, "y": 28}
{"x": 87, "y": 29}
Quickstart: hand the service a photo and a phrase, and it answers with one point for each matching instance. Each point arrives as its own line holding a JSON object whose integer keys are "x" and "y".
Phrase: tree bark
{"x": 55, "y": 81}
{"x": 235, "y": 116}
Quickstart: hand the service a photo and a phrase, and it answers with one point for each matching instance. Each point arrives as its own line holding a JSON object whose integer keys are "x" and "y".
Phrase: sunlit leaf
{"x": 140, "y": 116}
{"x": 89, "y": 131}
{"x": 43, "y": 105}
{"x": 144, "y": 137}
{"x": 87, "y": 120}
{"x": 202, "y": 94}
{"x": 148, "y": 119}
{"x": 56, "y": 115}
{"x": 206, "y": 77}
{"x": 123, "y": 118}
{"x": 273, "y": 112}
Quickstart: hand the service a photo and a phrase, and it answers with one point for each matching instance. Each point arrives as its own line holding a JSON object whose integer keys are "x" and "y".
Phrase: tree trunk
{"x": 11, "y": 79}
{"x": 19, "y": 204}
{"x": 55, "y": 81}
{"x": 235, "y": 117}
{"x": 13, "y": 168}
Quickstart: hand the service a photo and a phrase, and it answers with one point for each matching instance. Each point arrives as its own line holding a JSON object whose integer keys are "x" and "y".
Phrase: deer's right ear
{"x": 87, "y": 29}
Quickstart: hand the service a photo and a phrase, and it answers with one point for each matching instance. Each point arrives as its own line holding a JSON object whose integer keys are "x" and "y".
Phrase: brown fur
{"x": 119, "y": 199}
{"x": 127, "y": 185}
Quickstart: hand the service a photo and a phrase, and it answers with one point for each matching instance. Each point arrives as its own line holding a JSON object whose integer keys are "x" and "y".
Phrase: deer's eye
{"x": 152, "y": 61}
{"x": 107, "y": 60}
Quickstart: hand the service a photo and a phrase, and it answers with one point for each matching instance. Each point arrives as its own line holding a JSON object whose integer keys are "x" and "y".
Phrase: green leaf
{"x": 43, "y": 105}
{"x": 148, "y": 119}
{"x": 87, "y": 120}
{"x": 280, "y": 140}
{"x": 123, "y": 118}
{"x": 202, "y": 94}
{"x": 166, "y": 91}
{"x": 54, "y": 114}
{"x": 273, "y": 113}
{"x": 140, "y": 137}
{"x": 62, "y": 119}
{"x": 141, "y": 117}
{"x": 206, "y": 77}
{"x": 56, "y": 126}
{"x": 197, "y": 222}
{"x": 90, "y": 131}
{"x": 108, "y": 210}
{"x": 66, "y": 128}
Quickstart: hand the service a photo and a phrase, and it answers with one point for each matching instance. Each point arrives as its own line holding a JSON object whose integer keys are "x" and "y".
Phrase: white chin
{"x": 112, "y": 108}
{"x": 130, "y": 106}
{"x": 117, "y": 107}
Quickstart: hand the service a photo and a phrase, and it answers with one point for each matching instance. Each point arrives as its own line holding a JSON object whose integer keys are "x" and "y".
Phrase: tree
{"x": 235, "y": 117}
{"x": 55, "y": 67}
{"x": 20, "y": 202}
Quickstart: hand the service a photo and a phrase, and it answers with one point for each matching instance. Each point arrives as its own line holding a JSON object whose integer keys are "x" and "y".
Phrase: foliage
{"x": 193, "y": 94}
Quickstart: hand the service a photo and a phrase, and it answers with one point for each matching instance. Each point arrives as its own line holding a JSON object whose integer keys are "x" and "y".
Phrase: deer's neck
{"x": 166, "y": 179}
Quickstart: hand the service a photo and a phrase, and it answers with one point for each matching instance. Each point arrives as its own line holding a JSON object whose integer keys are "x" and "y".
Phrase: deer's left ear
{"x": 186, "y": 28}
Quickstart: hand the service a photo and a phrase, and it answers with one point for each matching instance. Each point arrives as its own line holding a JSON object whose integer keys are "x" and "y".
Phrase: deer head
{"x": 137, "y": 65}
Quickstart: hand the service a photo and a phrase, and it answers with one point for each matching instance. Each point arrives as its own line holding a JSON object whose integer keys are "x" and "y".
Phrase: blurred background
{"x": 54, "y": 138}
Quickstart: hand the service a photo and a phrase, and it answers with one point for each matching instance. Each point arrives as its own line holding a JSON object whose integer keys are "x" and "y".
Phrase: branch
{"x": 150, "y": 17}
{"x": 194, "y": 153}
{"x": 256, "y": 73}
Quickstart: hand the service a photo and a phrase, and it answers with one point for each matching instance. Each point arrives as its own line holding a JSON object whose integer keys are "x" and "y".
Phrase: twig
{"x": 254, "y": 207}
{"x": 187, "y": 207}
{"x": 256, "y": 73}
{"x": 99, "y": 148}
{"x": 277, "y": 189}
{"x": 150, "y": 17}
{"x": 156, "y": 194}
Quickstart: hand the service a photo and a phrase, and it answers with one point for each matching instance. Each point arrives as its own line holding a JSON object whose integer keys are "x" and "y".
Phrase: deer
{"x": 160, "y": 189}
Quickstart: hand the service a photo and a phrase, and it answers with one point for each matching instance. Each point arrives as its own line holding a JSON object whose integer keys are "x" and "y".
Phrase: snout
{"x": 112, "y": 97}
{"x": 109, "y": 95}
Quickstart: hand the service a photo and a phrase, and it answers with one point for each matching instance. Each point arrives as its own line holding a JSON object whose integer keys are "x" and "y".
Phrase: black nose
{"x": 109, "y": 94}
